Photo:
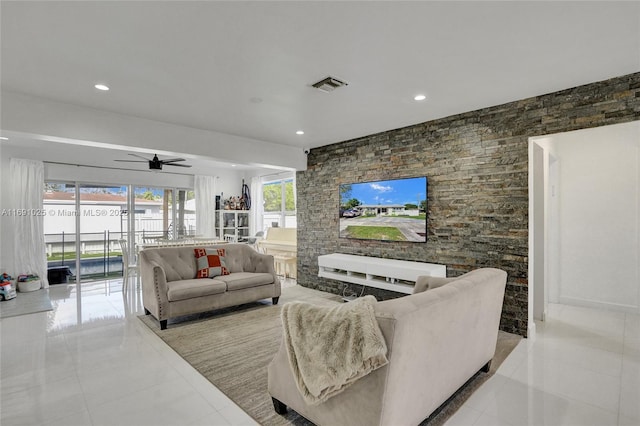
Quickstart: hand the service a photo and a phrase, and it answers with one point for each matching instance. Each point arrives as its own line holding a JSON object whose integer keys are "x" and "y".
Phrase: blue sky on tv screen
{"x": 400, "y": 191}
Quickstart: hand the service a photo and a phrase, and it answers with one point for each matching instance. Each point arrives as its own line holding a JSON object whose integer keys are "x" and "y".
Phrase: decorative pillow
{"x": 210, "y": 263}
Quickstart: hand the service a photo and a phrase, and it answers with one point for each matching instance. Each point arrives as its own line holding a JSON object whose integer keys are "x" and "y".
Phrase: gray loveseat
{"x": 437, "y": 339}
{"x": 170, "y": 289}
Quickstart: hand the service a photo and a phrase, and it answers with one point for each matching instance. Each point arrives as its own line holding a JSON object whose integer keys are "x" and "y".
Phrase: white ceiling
{"x": 245, "y": 68}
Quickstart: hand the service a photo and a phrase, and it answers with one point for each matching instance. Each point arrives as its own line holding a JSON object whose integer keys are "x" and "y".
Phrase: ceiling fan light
{"x": 155, "y": 163}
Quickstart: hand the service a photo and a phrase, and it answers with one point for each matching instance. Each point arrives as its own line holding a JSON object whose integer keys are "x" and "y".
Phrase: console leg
{"x": 486, "y": 367}
{"x": 163, "y": 324}
{"x": 279, "y": 406}
{"x": 275, "y": 300}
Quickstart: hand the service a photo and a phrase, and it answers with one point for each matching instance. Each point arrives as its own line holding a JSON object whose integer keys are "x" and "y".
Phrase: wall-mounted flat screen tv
{"x": 388, "y": 210}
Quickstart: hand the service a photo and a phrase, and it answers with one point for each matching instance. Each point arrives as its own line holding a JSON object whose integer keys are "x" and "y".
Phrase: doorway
{"x": 584, "y": 219}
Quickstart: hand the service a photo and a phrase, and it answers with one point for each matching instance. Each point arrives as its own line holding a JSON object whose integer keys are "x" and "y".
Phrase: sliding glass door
{"x": 103, "y": 222}
{"x": 85, "y": 223}
{"x": 82, "y": 227}
{"x": 163, "y": 214}
{"x": 151, "y": 214}
{"x": 59, "y": 204}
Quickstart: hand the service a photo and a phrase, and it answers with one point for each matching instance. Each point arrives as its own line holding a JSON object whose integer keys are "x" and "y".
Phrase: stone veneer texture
{"x": 477, "y": 169}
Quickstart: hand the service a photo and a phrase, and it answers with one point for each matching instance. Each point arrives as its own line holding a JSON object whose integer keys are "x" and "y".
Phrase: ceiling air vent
{"x": 329, "y": 84}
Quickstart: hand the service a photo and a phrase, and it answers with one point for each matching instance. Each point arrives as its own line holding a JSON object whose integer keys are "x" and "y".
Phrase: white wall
{"x": 598, "y": 223}
{"x": 4, "y": 222}
{"x": 538, "y": 231}
{"x": 552, "y": 226}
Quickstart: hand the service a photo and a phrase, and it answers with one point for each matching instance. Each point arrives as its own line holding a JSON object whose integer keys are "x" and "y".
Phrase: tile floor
{"x": 91, "y": 362}
{"x": 582, "y": 368}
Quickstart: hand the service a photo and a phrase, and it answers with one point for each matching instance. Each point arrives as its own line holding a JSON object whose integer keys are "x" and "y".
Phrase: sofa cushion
{"x": 210, "y": 263}
{"x": 178, "y": 263}
{"x": 188, "y": 289}
{"x": 240, "y": 280}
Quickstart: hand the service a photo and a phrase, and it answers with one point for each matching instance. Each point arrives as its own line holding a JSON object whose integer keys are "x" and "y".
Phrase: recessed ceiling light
{"x": 300, "y": 132}
{"x": 419, "y": 97}
{"x": 3, "y": 138}
{"x": 101, "y": 87}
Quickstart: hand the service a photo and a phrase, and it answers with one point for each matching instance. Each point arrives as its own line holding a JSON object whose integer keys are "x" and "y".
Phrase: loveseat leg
{"x": 275, "y": 300}
{"x": 163, "y": 324}
{"x": 147, "y": 312}
{"x": 485, "y": 368}
{"x": 279, "y": 406}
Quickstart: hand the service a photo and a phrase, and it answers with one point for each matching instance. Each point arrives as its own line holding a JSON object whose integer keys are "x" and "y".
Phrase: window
{"x": 279, "y": 201}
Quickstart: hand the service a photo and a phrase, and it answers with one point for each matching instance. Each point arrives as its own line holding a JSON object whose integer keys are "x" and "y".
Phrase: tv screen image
{"x": 387, "y": 210}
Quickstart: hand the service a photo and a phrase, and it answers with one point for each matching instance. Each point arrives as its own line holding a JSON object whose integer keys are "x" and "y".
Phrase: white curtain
{"x": 27, "y": 189}
{"x": 205, "y": 189}
{"x": 255, "y": 215}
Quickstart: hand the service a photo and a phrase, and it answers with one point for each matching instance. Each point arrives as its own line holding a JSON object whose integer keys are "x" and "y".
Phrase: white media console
{"x": 387, "y": 274}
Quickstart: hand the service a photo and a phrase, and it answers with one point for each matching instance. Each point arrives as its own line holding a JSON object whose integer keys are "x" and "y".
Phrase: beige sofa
{"x": 170, "y": 289}
{"x": 437, "y": 340}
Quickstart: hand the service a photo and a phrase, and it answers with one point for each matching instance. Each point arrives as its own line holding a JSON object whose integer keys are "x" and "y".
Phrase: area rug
{"x": 232, "y": 348}
{"x": 26, "y": 303}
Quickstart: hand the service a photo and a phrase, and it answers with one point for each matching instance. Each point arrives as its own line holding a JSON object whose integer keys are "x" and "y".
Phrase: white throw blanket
{"x": 330, "y": 347}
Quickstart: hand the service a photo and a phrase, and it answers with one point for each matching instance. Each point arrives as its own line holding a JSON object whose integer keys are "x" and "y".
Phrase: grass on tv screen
{"x": 386, "y": 210}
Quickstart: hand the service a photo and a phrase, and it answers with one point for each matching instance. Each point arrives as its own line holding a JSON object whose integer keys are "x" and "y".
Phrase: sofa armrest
{"x": 155, "y": 290}
{"x": 426, "y": 282}
{"x": 361, "y": 403}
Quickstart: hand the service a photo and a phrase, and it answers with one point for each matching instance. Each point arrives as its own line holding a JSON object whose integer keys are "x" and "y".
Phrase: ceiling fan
{"x": 155, "y": 163}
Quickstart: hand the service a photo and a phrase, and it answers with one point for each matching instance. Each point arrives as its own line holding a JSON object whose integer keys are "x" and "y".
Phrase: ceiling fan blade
{"x": 172, "y": 160}
{"x": 139, "y": 156}
{"x": 177, "y": 165}
{"x": 132, "y": 161}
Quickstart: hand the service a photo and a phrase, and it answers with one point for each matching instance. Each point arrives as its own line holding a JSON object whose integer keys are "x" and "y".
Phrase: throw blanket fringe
{"x": 330, "y": 347}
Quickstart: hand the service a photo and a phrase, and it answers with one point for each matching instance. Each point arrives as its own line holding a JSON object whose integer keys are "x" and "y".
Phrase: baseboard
{"x": 615, "y": 307}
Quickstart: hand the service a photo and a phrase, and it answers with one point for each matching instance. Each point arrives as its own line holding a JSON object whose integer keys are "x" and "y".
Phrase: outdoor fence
{"x": 100, "y": 252}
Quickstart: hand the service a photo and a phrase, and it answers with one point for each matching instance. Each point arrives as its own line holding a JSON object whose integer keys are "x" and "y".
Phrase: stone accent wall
{"x": 477, "y": 169}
